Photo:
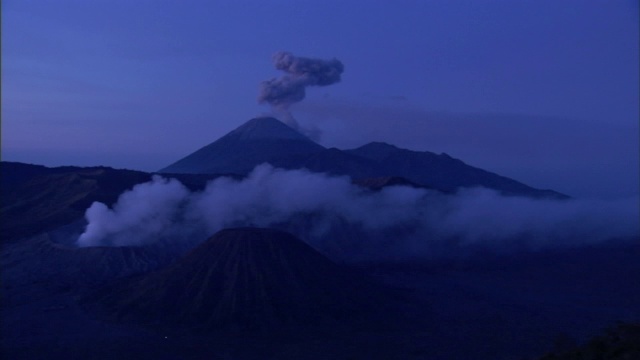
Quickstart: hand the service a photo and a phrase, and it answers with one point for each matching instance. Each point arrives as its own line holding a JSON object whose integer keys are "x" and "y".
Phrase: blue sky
{"x": 542, "y": 91}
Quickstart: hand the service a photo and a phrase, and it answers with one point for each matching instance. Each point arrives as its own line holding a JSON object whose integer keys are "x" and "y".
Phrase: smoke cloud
{"x": 351, "y": 223}
{"x": 139, "y": 215}
{"x": 300, "y": 72}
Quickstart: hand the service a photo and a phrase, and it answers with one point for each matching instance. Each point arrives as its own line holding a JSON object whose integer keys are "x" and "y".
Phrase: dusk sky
{"x": 544, "y": 91}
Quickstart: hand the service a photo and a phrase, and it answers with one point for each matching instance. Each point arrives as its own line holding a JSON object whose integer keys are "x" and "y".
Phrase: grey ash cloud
{"x": 300, "y": 72}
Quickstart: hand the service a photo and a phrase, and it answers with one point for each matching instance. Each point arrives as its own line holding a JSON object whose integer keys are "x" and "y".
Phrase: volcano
{"x": 258, "y": 141}
{"x": 267, "y": 140}
{"x": 245, "y": 279}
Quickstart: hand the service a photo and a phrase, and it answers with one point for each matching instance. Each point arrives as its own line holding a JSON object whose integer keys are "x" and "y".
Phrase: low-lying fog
{"x": 331, "y": 213}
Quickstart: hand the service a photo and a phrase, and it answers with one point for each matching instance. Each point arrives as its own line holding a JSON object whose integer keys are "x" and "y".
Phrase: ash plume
{"x": 300, "y": 72}
{"x": 350, "y": 223}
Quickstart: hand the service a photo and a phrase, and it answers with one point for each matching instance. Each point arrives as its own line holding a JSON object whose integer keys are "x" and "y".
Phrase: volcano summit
{"x": 258, "y": 141}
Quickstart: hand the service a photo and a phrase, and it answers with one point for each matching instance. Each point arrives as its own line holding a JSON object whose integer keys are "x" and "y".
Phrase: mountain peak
{"x": 259, "y": 140}
{"x": 266, "y": 127}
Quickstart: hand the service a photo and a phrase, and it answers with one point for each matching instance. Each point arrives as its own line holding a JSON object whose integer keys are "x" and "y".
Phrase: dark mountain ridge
{"x": 37, "y": 199}
{"x": 442, "y": 171}
{"x": 267, "y": 140}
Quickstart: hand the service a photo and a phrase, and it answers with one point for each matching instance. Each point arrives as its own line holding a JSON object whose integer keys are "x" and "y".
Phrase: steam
{"x": 300, "y": 72}
{"x": 352, "y": 223}
{"x": 139, "y": 215}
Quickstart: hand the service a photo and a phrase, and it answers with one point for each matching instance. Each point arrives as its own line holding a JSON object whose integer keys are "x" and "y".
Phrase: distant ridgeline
{"x": 36, "y": 199}
{"x": 267, "y": 140}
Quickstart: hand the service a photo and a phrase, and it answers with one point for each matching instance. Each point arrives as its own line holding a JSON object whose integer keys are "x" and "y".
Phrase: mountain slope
{"x": 40, "y": 260}
{"x": 258, "y": 141}
{"x": 441, "y": 171}
{"x": 244, "y": 279}
{"x": 337, "y": 162}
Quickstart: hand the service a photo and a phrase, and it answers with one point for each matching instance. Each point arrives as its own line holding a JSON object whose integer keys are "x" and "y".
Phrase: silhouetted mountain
{"x": 36, "y": 199}
{"x": 245, "y": 279}
{"x": 441, "y": 171}
{"x": 14, "y": 174}
{"x": 258, "y": 141}
{"x": 268, "y": 140}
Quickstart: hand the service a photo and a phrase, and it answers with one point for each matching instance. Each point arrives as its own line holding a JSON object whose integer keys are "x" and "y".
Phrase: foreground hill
{"x": 497, "y": 309}
{"x": 268, "y": 140}
{"x": 245, "y": 279}
{"x": 39, "y": 260}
